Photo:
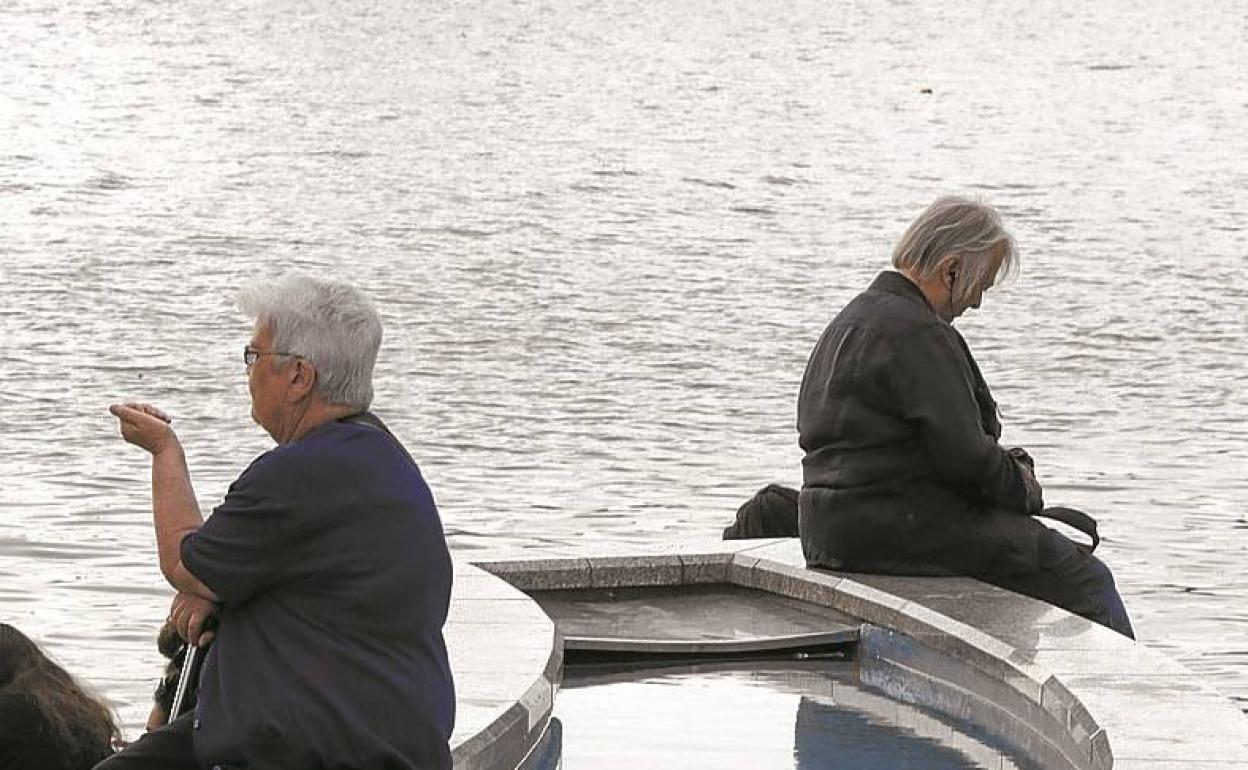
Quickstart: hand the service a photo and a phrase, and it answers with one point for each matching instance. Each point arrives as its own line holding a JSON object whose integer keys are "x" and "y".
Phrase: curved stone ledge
{"x": 1069, "y": 693}
{"x": 507, "y": 661}
{"x": 1126, "y": 706}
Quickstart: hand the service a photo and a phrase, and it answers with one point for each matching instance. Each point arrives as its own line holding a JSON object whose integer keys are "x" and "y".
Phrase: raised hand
{"x": 145, "y": 426}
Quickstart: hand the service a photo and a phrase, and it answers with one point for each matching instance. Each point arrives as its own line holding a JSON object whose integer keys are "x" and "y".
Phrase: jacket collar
{"x": 893, "y": 282}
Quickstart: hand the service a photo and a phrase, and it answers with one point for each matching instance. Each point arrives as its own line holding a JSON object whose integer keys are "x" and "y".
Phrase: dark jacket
{"x": 903, "y": 472}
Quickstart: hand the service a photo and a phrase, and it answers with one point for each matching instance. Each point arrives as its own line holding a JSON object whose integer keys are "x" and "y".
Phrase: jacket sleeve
{"x": 933, "y": 390}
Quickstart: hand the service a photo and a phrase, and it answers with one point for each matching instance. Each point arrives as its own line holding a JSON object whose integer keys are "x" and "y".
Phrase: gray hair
{"x": 970, "y": 229}
{"x": 330, "y": 323}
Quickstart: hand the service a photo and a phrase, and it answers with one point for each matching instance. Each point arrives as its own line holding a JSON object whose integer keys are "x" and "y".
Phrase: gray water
{"x": 604, "y": 237}
{"x": 805, "y": 716}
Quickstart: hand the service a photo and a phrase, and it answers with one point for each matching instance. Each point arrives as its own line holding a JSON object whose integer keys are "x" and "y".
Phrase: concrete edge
{"x": 505, "y": 687}
{"x": 1083, "y": 727}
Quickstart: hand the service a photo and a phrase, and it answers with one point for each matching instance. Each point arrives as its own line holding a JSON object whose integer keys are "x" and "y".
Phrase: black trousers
{"x": 1077, "y": 582}
{"x": 168, "y": 748}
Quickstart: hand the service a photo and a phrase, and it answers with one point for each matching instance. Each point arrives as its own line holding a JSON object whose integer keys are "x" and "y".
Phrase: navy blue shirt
{"x": 330, "y": 562}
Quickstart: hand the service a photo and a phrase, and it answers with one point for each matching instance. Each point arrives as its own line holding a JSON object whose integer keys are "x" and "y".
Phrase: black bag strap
{"x": 370, "y": 420}
{"x": 1077, "y": 519}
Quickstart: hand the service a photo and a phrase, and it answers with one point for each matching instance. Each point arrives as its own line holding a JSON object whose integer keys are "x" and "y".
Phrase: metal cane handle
{"x": 187, "y": 678}
{"x": 184, "y": 680}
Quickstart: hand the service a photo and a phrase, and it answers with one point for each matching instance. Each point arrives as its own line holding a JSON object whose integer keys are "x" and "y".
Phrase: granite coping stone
{"x": 632, "y": 571}
{"x": 1182, "y": 721}
{"x": 540, "y": 574}
{"x": 1115, "y": 690}
{"x": 506, "y": 657}
{"x": 912, "y": 672}
{"x": 1113, "y": 695}
{"x": 1195, "y": 764}
{"x": 698, "y": 568}
{"x": 500, "y": 744}
{"x": 953, "y": 700}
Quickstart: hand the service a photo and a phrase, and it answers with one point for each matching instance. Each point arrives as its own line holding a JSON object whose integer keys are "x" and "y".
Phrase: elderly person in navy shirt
{"x": 903, "y": 473}
{"x": 326, "y": 563}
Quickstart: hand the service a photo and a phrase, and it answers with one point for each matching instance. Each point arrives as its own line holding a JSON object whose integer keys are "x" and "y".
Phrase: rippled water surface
{"x": 604, "y": 237}
{"x": 811, "y": 716}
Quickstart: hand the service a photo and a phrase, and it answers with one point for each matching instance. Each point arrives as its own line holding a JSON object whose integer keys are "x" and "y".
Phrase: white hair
{"x": 972, "y": 230}
{"x": 330, "y": 323}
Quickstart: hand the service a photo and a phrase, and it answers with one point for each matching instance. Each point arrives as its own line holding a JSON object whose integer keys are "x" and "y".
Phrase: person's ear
{"x": 953, "y": 265}
{"x": 302, "y": 378}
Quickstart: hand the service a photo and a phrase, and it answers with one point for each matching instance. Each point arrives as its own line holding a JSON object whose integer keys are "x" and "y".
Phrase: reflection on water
{"x": 604, "y": 238}
{"x": 807, "y": 717}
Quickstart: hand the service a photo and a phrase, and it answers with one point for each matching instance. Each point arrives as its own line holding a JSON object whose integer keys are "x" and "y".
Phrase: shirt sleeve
{"x": 239, "y": 550}
{"x": 934, "y": 388}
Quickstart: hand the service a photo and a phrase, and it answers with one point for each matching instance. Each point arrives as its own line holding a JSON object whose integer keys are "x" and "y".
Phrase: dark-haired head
{"x": 16, "y": 653}
{"x": 82, "y": 724}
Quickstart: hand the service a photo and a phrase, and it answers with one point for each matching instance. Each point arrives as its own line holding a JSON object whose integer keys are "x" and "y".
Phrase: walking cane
{"x": 188, "y": 679}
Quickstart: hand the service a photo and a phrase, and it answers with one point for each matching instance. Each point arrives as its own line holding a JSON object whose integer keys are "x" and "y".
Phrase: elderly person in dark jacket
{"x": 903, "y": 473}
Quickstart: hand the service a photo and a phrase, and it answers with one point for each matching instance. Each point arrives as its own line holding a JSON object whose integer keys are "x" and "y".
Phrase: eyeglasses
{"x": 251, "y": 355}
